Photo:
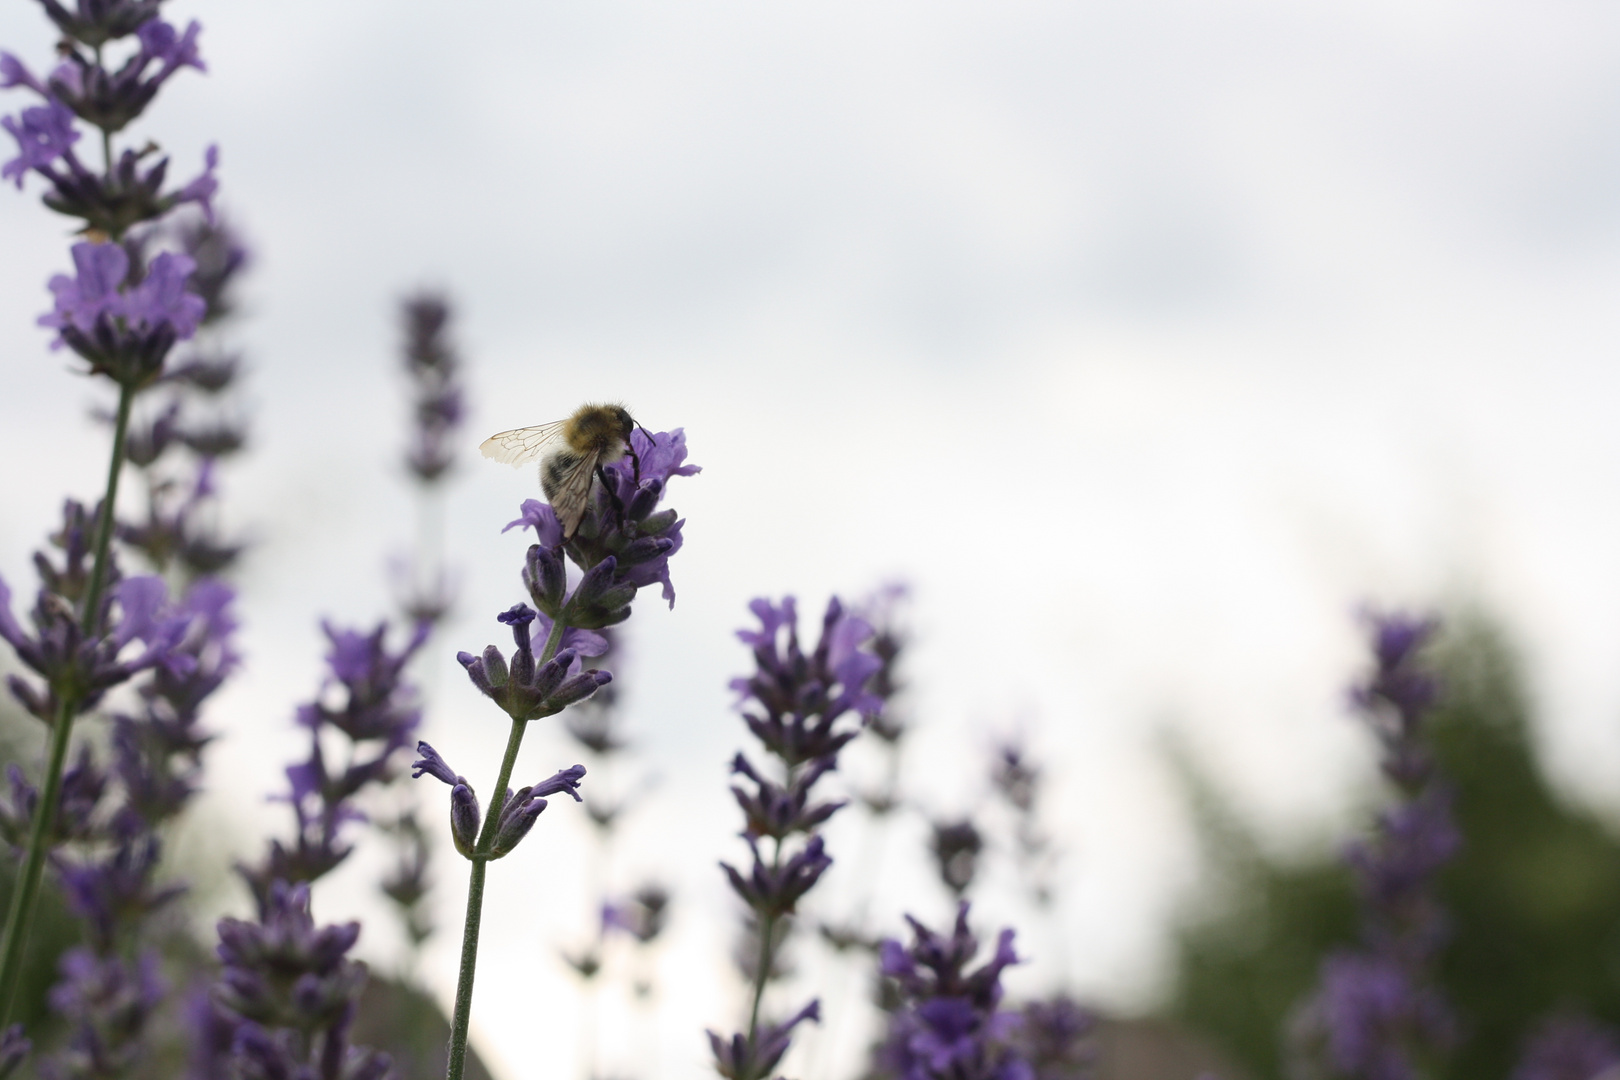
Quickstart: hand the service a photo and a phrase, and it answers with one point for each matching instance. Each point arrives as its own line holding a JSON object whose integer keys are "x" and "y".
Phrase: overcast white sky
{"x": 1147, "y": 338}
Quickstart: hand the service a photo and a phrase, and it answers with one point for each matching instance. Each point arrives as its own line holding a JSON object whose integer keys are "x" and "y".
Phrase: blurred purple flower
{"x": 742, "y": 1058}
{"x": 14, "y": 1047}
{"x": 1377, "y": 1013}
{"x": 44, "y": 133}
{"x": 136, "y": 610}
{"x": 438, "y": 407}
{"x": 1571, "y": 1048}
{"x": 949, "y": 1026}
{"x": 368, "y": 699}
{"x": 107, "y": 1002}
{"x": 292, "y": 992}
{"x": 773, "y": 887}
{"x": 798, "y": 698}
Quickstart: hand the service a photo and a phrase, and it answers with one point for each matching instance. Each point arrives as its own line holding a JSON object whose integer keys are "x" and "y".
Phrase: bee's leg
{"x": 613, "y": 496}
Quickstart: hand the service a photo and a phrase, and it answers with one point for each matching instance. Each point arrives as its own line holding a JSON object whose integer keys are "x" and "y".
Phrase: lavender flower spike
{"x": 742, "y": 1058}
{"x": 14, "y": 1047}
{"x": 523, "y": 689}
{"x": 948, "y": 1026}
{"x": 1377, "y": 1013}
{"x": 1571, "y": 1048}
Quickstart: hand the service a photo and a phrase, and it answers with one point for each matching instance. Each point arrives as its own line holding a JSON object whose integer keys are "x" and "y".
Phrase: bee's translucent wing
{"x": 522, "y": 445}
{"x": 566, "y": 480}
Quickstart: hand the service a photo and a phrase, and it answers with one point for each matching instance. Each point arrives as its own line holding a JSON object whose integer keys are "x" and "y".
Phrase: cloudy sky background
{"x": 1146, "y": 338}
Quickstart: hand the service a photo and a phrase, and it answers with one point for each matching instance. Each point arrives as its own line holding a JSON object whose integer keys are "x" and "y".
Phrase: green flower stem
{"x": 475, "y": 881}
{"x": 767, "y": 938}
{"x": 26, "y": 890}
{"x": 767, "y": 942}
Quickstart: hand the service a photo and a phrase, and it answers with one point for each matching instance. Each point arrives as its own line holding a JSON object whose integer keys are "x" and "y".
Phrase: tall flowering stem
{"x": 286, "y": 995}
{"x": 123, "y": 323}
{"x": 26, "y": 891}
{"x": 1377, "y": 1013}
{"x": 803, "y": 707}
{"x": 623, "y": 542}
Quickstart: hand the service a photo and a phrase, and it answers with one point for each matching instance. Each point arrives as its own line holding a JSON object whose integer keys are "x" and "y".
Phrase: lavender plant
{"x": 191, "y": 425}
{"x": 123, "y": 316}
{"x": 371, "y": 708}
{"x": 1016, "y": 779}
{"x": 437, "y": 413}
{"x": 289, "y": 993}
{"x": 622, "y": 543}
{"x": 950, "y": 1025}
{"x": 286, "y": 996}
{"x": 1377, "y": 1013}
{"x": 795, "y": 703}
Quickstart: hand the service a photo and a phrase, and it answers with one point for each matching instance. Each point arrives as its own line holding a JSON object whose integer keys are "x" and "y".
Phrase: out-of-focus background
{"x": 1145, "y": 339}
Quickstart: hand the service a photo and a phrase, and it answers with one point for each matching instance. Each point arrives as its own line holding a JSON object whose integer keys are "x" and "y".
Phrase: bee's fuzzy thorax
{"x": 599, "y": 429}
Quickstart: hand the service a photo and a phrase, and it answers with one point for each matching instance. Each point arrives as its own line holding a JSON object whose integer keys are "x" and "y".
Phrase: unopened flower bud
{"x": 464, "y": 819}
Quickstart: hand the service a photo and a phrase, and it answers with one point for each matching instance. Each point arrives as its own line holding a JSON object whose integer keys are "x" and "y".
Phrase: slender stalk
{"x": 475, "y": 882}
{"x": 26, "y": 891}
{"x": 469, "y": 964}
{"x": 767, "y": 940}
{"x": 767, "y": 937}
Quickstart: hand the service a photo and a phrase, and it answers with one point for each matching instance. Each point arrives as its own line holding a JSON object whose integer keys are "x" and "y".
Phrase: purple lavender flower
{"x": 798, "y": 699}
{"x": 375, "y": 708}
{"x": 14, "y": 1047}
{"x": 123, "y": 334}
{"x": 623, "y": 542}
{"x": 774, "y": 887}
{"x": 1570, "y": 1048}
{"x": 109, "y": 99}
{"x": 1376, "y": 1019}
{"x": 1377, "y": 1013}
{"x": 526, "y": 689}
{"x": 86, "y": 667}
{"x": 622, "y": 528}
{"x": 44, "y": 133}
{"x": 79, "y": 796}
{"x": 777, "y": 811}
{"x": 1054, "y": 1037}
{"x": 798, "y": 702}
{"x": 113, "y": 890}
{"x": 128, "y": 193}
{"x": 745, "y": 1058}
{"x": 292, "y": 992}
{"x": 514, "y": 813}
{"x": 882, "y": 611}
{"x": 108, "y": 1001}
{"x": 1017, "y": 780}
{"x": 220, "y": 256}
{"x": 96, "y": 22}
{"x": 643, "y": 914}
{"x": 434, "y": 371}
{"x": 949, "y": 1026}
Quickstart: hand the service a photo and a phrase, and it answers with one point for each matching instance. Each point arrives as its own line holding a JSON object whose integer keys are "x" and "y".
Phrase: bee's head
{"x": 627, "y": 424}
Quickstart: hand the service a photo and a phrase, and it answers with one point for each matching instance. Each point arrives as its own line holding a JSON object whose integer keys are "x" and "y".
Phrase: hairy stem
{"x": 475, "y": 882}
{"x": 26, "y": 890}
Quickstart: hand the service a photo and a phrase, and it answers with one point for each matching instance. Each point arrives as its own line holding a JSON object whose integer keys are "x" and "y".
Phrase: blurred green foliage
{"x": 1534, "y": 897}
